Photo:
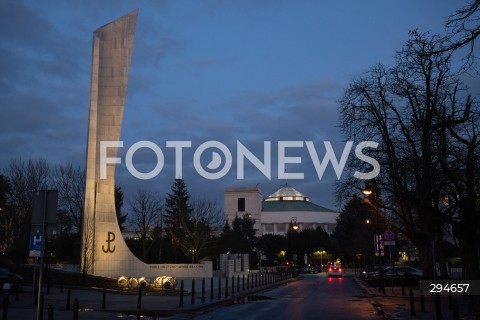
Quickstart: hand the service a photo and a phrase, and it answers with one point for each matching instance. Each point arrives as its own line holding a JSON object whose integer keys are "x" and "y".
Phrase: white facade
{"x": 252, "y": 204}
{"x": 276, "y": 213}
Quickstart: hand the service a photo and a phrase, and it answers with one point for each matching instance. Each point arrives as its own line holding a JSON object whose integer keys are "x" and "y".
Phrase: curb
{"x": 192, "y": 309}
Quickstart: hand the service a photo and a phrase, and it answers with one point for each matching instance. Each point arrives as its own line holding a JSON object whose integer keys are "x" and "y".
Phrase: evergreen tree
{"x": 177, "y": 207}
{"x": 121, "y": 218}
{"x": 178, "y": 214}
{"x": 240, "y": 237}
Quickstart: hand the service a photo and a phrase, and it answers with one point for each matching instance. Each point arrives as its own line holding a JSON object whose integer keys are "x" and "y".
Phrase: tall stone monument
{"x": 104, "y": 251}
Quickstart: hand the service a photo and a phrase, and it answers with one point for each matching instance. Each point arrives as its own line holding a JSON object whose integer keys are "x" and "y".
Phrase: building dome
{"x": 287, "y": 193}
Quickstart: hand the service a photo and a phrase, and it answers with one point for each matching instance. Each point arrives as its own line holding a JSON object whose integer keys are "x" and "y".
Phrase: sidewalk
{"x": 395, "y": 304}
{"x": 125, "y": 304}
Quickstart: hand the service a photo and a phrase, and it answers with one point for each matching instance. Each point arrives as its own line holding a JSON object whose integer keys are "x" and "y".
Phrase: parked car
{"x": 15, "y": 280}
{"x": 399, "y": 275}
{"x": 370, "y": 273}
{"x": 335, "y": 271}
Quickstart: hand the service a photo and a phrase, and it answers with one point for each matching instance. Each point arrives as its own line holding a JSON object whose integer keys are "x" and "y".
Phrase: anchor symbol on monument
{"x": 110, "y": 238}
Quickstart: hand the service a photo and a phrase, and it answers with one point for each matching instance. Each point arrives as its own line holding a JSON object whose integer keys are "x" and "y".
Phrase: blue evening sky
{"x": 249, "y": 70}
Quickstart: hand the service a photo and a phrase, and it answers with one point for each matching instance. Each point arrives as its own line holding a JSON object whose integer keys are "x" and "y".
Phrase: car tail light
{"x": 329, "y": 269}
{"x": 340, "y": 269}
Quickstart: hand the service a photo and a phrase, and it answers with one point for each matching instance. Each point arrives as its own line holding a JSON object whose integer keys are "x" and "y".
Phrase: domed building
{"x": 276, "y": 213}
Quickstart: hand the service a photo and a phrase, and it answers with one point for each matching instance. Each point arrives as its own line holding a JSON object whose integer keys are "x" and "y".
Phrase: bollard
{"x": 243, "y": 282}
{"x": 104, "y": 299}
{"x": 50, "y": 311}
{"x": 42, "y": 303}
{"x": 17, "y": 292}
{"x": 76, "y": 306}
{"x": 403, "y": 287}
{"x": 238, "y": 283}
{"x": 456, "y": 313}
{"x": 67, "y": 307}
{"x": 139, "y": 301}
{"x": 181, "y": 294}
{"x": 248, "y": 281}
{"x": 219, "y": 287}
{"x": 192, "y": 300}
{"x": 203, "y": 289}
{"x": 211, "y": 288}
{"x": 233, "y": 285}
{"x": 422, "y": 302}
{"x": 226, "y": 287}
{"x": 6, "y": 299}
{"x": 438, "y": 307}
{"x": 35, "y": 295}
{"x": 61, "y": 285}
{"x": 412, "y": 304}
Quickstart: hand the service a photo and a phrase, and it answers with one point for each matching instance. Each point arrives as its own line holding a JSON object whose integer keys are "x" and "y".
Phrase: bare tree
{"x": 205, "y": 216}
{"x": 145, "y": 217}
{"x": 463, "y": 29}
{"x": 70, "y": 183}
{"x": 407, "y": 108}
{"x": 26, "y": 177}
{"x": 88, "y": 243}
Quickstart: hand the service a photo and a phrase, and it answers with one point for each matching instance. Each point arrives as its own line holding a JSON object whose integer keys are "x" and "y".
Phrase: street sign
{"x": 378, "y": 244}
{"x": 389, "y": 235}
{"x": 36, "y": 243}
{"x": 389, "y": 243}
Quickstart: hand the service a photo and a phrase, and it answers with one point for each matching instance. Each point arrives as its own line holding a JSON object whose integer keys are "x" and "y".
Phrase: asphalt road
{"x": 314, "y": 297}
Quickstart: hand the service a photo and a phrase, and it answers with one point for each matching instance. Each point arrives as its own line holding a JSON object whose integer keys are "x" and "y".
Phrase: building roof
{"x": 287, "y": 193}
{"x": 287, "y": 198}
{"x": 292, "y": 205}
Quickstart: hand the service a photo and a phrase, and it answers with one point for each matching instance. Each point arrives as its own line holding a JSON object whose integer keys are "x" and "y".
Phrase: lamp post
{"x": 283, "y": 253}
{"x": 321, "y": 252}
{"x": 378, "y": 242}
{"x": 192, "y": 251}
{"x": 259, "y": 255}
{"x": 293, "y": 223}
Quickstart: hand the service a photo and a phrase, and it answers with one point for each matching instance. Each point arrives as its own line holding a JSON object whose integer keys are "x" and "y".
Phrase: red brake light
{"x": 330, "y": 269}
{"x": 340, "y": 269}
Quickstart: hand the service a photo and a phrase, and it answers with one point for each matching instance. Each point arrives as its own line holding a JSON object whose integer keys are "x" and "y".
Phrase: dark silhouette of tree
{"x": 417, "y": 110}
{"x": 463, "y": 29}
{"x": 239, "y": 237}
{"x": 355, "y": 230}
{"x": 271, "y": 245}
{"x": 26, "y": 177}
{"x": 6, "y": 216}
{"x": 145, "y": 217}
{"x": 121, "y": 218}
{"x": 189, "y": 226}
{"x": 70, "y": 183}
{"x": 177, "y": 208}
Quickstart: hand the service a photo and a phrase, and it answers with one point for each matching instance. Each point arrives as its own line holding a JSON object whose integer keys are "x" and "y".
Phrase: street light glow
{"x": 367, "y": 192}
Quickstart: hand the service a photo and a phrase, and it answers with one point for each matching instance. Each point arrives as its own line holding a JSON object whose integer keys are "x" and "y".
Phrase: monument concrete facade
{"x": 104, "y": 251}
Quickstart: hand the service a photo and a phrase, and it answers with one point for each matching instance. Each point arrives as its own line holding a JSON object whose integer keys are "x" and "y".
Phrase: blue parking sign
{"x": 36, "y": 243}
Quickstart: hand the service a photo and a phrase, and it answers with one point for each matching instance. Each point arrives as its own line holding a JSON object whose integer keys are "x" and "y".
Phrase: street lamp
{"x": 321, "y": 253}
{"x": 283, "y": 253}
{"x": 259, "y": 254}
{"x": 367, "y": 192}
{"x": 193, "y": 254}
{"x": 293, "y": 223}
{"x": 378, "y": 237}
